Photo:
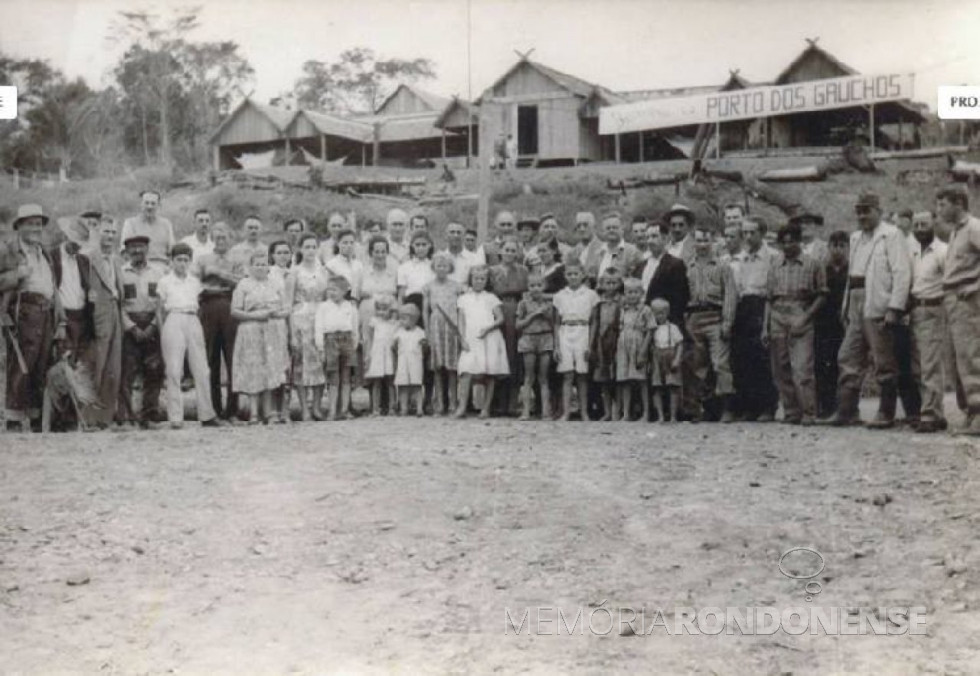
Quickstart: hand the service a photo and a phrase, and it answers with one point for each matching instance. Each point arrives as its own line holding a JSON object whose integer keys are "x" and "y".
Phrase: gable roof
{"x": 465, "y": 106}
{"x": 813, "y": 50}
{"x": 571, "y": 83}
{"x": 279, "y": 117}
{"x": 333, "y": 125}
{"x": 430, "y": 101}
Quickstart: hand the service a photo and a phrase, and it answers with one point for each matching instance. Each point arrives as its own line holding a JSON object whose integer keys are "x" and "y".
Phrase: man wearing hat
{"x": 527, "y": 235}
{"x": 71, "y": 270}
{"x": 141, "y": 353}
{"x": 31, "y": 314}
{"x": 879, "y": 279}
{"x": 680, "y": 219}
{"x": 548, "y": 232}
{"x": 150, "y": 224}
{"x": 961, "y": 288}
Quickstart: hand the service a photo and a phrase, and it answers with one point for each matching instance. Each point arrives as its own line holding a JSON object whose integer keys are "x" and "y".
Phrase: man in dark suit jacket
{"x": 71, "y": 271}
{"x": 665, "y": 275}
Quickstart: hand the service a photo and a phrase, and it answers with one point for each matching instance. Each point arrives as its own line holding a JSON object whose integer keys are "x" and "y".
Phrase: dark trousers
{"x": 755, "y": 392}
{"x": 144, "y": 358}
{"x": 34, "y": 328}
{"x": 827, "y": 341}
{"x": 219, "y": 342}
{"x": 76, "y": 327}
{"x": 908, "y": 386}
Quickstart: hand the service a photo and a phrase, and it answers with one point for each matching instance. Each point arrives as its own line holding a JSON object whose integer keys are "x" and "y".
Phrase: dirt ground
{"x": 398, "y": 546}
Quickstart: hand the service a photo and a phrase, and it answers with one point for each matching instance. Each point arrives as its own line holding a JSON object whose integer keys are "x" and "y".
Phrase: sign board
{"x": 746, "y": 104}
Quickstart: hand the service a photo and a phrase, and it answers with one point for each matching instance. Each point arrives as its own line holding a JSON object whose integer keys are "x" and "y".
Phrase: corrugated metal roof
{"x": 434, "y": 102}
{"x": 333, "y": 125}
{"x": 407, "y": 127}
{"x": 465, "y": 106}
{"x": 279, "y": 117}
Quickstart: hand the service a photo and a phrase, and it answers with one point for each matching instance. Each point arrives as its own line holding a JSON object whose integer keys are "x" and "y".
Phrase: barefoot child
{"x": 336, "y": 326}
{"x": 665, "y": 362}
{"x": 603, "y": 337}
{"x": 379, "y": 367}
{"x": 484, "y": 354}
{"x": 573, "y": 305}
{"x": 257, "y": 362}
{"x": 439, "y": 307}
{"x": 409, "y": 346}
{"x": 536, "y": 323}
{"x": 632, "y": 348}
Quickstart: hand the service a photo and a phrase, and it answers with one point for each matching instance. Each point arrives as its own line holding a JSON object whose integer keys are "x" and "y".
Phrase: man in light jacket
{"x": 879, "y": 279}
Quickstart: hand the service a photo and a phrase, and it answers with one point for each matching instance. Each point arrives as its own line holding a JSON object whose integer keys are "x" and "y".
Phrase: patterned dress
{"x": 629, "y": 348}
{"x": 257, "y": 363}
{"x": 310, "y": 290}
{"x": 443, "y": 339}
{"x": 277, "y": 276}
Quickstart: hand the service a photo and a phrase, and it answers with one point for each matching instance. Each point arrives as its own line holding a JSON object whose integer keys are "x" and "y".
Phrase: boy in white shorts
{"x": 573, "y": 305}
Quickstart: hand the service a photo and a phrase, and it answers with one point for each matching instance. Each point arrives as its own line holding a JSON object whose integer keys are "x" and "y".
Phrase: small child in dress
{"x": 574, "y": 305}
{"x": 379, "y": 369}
{"x": 632, "y": 348}
{"x": 409, "y": 346}
{"x": 603, "y": 337}
{"x": 336, "y": 331}
{"x": 536, "y": 322}
{"x": 439, "y": 309}
{"x": 484, "y": 353}
{"x": 665, "y": 371}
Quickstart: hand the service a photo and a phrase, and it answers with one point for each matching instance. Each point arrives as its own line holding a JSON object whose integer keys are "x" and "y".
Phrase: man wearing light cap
{"x": 141, "y": 352}
{"x": 879, "y": 279}
{"x": 961, "y": 287}
{"x": 31, "y": 315}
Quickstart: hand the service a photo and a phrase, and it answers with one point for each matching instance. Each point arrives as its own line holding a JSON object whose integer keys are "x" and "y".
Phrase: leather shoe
{"x": 880, "y": 422}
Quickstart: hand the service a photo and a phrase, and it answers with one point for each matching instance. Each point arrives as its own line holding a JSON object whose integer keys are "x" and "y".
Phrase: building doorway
{"x": 527, "y": 130}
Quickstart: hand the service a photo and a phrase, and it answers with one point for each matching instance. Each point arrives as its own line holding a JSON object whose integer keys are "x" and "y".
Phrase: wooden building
{"x": 460, "y": 119}
{"x": 831, "y": 127}
{"x": 330, "y": 138}
{"x": 404, "y": 129}
{"x": 251, "y": 128}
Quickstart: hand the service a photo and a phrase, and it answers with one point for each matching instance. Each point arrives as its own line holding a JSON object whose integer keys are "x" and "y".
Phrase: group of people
{"x": 669, "y": 318}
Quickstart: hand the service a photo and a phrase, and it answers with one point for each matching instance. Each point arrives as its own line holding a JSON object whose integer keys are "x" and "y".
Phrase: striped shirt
{"x": 800, "y": 278}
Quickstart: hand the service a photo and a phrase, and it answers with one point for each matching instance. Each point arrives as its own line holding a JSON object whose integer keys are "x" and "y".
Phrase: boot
{"x": 885, "y": 418}
{"x": 847, "y": 410}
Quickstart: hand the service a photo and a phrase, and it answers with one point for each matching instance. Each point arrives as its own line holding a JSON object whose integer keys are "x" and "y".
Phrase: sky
{"x": 621, "y": 44}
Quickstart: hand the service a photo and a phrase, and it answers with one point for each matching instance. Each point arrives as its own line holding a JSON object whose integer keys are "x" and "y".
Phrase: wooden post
{"x": 323, "y": 147}
{"x": 363, "y": 155}
{"x": 871, "y": 126}
{"x": 643, "y": 157}
{"x": 443, "y": 144}
{"x": 216, "y": 157}
{"x": 288, "y": 153}
{"x": 483, "y": 204}
{"x": 717, "y": 140}
{"x": 469, "y": 140}
{"x": 376, "y": 150}
{"x": 616, "y": 145}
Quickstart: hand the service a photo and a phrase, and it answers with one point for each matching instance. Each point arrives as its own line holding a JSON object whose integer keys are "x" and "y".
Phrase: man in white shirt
{"x": 616, "y": 252}
{"x": 680, "y": 219}
{"x": 149, "y": 224}
{"x": 927, "y": 319}
{"x": 463, "y": 259}
{"x": 200, "y": 240}
{"x": 71, "y": 270}
{"x": 397, "y": 224}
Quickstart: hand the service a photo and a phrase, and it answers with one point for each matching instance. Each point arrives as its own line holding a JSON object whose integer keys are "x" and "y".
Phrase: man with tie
{"x": 104, "y": 299}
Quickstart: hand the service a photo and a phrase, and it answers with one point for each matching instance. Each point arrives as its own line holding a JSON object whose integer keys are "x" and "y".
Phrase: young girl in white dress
{"x": 409, "y": 348}
{"x": 484, "y": 353}
{"x": 379, "y": 367}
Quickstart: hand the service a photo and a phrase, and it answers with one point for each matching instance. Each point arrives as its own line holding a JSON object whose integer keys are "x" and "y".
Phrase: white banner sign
{"x": 745, "y": 104}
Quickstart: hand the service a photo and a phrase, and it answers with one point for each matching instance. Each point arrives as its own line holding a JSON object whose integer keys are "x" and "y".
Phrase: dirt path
{"x": 397, "y": 547}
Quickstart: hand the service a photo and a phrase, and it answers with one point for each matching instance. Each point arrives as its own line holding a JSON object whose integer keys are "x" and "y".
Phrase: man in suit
{"x": 31, "y": 315}
{"x": 879, "y": 279}
{"x": 680, "y": 220}
{"x": 71, "y": 276}
{"x": 104, "y": 298}
{"x": 665, "y": 276}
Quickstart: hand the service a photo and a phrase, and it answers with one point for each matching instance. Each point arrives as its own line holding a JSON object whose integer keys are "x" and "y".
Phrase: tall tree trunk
{"x": 146, "y": 143}
{"x": 166, "y": 154}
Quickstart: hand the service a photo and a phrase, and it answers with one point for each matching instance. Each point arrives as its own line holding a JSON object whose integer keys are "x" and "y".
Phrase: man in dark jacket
{"x": 664, "y": 275}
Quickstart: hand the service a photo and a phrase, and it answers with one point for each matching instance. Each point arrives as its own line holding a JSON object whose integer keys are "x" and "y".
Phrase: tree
{"x": 358, "y": 82}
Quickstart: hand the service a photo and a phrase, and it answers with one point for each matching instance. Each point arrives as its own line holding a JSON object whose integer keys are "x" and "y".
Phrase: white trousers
{"x": 182, "y": 335}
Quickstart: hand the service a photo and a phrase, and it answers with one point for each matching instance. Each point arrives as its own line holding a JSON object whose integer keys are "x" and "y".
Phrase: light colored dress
{"x": 257, "y": 363}
{"x": 443, "y": 339}
{"x": 310, "y": 290}
{"x": 381, "y": 361}
{"x": 632, "y": 331}
{"x": 408, "y": 345}
{"x": 373, "y": 284}
{"x": 485, "y": 356}
{"x": 277, "y": 276}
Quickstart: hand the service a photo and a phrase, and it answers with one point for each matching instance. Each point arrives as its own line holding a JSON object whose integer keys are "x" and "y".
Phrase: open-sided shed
{"x": 251, "y": 128}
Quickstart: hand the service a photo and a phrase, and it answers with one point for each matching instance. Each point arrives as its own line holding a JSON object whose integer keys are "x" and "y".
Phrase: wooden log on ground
{"x": 770, "y": 195}
{"x": 794, "y": 174}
